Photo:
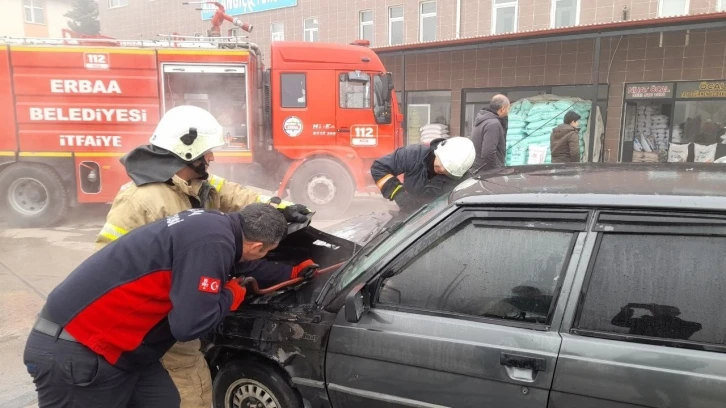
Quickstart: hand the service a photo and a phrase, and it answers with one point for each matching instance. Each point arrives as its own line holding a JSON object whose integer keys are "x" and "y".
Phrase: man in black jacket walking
{"x": 428, "y": 171}
{"x": 490, "y": 134}
{"x": 98, "y": 339}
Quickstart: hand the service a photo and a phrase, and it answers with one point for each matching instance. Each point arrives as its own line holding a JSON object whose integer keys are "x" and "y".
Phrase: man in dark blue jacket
{"x": 428, "y": 171}
{"x": 98, "y": 339}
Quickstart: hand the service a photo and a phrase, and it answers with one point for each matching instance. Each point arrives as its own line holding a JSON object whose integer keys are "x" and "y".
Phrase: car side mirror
{"x": 356, "y": 303}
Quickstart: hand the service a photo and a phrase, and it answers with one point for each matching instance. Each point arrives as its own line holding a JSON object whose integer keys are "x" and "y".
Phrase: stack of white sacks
{"x": 433, "y": 131}
{"x": 659, "y": 131}
{"x": 652, "y": 130}
{"x": 645, "y": 118}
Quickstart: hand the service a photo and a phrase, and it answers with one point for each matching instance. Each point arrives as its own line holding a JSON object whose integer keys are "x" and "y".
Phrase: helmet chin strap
{"x": 200, "y": 169}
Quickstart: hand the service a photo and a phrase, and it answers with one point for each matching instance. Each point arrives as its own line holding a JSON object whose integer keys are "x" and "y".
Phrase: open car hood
{"x": 360, "y": 229}
{"x": 335, "y": 245}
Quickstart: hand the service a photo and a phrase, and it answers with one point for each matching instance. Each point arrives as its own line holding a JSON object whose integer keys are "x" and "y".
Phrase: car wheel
{"x": 246, "y": 384}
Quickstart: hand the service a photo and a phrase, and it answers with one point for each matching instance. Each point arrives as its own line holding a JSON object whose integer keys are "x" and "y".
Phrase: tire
{"x": 324, "y": 186}
{"x": 243, "y": 384}
{"x": 33, "y": 196}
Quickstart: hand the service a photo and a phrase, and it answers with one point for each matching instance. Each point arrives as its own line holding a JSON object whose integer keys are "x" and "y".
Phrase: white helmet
{"x": 188, "y": 132}
{"x": 456, "y": 155}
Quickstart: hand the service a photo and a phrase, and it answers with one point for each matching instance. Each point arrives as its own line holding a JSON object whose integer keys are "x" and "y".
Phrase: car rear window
{"x": 659, "y": 286}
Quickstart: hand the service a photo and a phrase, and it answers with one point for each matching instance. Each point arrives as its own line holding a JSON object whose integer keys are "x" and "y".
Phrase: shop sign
{"x": 702, "y": 89}
{"x": 239, "y": 7}
{"x": 649, "y": 91}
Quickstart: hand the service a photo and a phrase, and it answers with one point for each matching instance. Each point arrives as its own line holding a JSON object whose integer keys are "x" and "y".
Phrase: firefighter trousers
{"x": 189, "y": 371}
{"x": 67, "y": 374}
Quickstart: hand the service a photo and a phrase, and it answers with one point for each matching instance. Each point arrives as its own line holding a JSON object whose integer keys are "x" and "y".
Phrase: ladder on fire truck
{"x": 166, "y": 41}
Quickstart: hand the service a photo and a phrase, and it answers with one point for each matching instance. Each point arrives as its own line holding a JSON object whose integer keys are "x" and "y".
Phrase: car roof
{"x": 659, "y": 185}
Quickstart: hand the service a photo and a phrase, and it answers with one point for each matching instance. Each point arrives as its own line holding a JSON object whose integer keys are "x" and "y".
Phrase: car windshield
{"x": 367, "y": 257}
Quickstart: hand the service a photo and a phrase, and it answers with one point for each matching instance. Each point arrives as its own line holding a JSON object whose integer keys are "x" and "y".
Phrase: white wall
{"x": 54, "y": 10}
{"x": 12, "y": 18}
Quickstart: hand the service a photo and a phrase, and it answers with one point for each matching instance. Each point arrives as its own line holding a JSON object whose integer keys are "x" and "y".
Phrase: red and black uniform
{"x": 131, "y": 301}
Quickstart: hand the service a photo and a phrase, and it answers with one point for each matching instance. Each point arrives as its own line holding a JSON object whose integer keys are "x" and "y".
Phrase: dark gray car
{"x": 550, "y": 286}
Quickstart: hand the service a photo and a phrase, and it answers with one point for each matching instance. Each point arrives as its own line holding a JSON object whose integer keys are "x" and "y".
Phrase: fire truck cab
{"x": 308, "y": 127}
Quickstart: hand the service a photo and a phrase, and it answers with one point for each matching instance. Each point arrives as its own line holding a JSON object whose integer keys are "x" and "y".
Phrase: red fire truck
{"x": 308, "y": 127}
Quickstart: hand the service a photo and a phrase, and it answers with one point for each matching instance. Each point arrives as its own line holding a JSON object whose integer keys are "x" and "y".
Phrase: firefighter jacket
{"x": 135, "y": 206}
{"x": 161, "y": 283}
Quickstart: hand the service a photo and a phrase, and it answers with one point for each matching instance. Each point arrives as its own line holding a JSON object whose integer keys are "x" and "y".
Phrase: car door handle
{"x": 344, "y": 130}
{"x": 522, "y": 362}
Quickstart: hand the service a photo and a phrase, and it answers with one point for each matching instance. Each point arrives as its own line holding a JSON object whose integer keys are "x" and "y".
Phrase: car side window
{"x": 483, "y": 271}
{"x": 657, "y": 286}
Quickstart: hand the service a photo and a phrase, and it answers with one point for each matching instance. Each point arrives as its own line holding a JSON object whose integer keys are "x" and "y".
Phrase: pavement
{"x": 34, "y": 260}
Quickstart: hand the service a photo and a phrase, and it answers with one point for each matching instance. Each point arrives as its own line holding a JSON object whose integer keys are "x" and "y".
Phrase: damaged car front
{"x": 271, "y": 353}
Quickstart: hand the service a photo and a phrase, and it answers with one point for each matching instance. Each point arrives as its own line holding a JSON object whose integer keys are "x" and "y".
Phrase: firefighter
{"x": 428, "y": 171}
{"x": 168, "y": 176}
{"x": 99, "y": 338}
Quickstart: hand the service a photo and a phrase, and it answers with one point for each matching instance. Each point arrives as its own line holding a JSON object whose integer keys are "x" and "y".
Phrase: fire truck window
{"x": 355, "y": 93}
{"x": 293, "y": 90}
{"x": 224, "y": 95}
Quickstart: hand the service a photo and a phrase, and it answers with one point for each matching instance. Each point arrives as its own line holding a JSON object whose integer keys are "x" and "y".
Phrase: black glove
{"x": 391, "y": 188}
{"x": 295, "y": 213}
{"x": 406, "y": 202}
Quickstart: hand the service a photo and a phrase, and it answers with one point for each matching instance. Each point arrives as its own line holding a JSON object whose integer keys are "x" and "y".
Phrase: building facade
{"x": 437, "y": 83}
{"x": 33, "y": 18}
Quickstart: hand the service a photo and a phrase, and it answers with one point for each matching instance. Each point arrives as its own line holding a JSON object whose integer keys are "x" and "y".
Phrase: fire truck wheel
{"x": 324, "y": 186}
{"x": 33, "y": 194}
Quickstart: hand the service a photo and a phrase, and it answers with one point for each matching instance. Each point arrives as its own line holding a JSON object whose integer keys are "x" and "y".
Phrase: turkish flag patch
{"x": 209, "y": 285}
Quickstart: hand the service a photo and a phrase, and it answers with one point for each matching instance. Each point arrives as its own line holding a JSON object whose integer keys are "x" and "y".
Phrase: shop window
{"x": 117, "y": 3}
{"x": 675, "y": 122}
{"x": 427, "y": 22}
{"x": 310, "y": 27}
{"x": 505, "y": 16}
{"x": 701, "y": 122}
{"x": 365, "y": 31}
{"x": 34, "y": 11}
{"x": 293, "y": 90}
{"x": 535, "y": 112}
{"x": 520, "y": 286}
{"x": 277, "y": 32}
{"x": 672, "y": 8}
{"x": 355, "y": 91}
{"x": 395, "y": 25}
{"x": 424, "y": 108}
{"x": 657, "y": 286}
{"x": 565, "y": 13}
{"x": 478, "y": 100}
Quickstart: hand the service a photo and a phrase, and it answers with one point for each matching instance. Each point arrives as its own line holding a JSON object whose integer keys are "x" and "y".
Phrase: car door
{"x": 465, "y": 317}
{"x": 648, "y": 328}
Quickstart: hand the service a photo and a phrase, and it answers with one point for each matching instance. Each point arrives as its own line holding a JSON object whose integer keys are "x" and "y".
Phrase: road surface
{"x": 33, "y": 261}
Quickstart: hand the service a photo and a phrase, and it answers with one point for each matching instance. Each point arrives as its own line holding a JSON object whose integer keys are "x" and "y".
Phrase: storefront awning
{"x": 580, "y": 32}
